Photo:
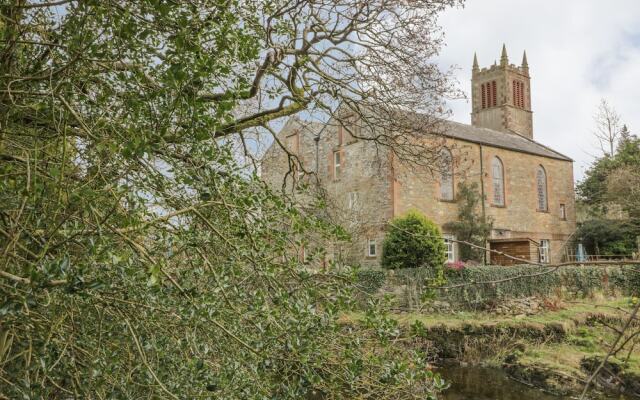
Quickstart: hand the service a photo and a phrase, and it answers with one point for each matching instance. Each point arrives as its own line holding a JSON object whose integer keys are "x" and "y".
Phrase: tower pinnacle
{"x": 525, "y": 64}
{"x": 476, "y": 68}
{"x": 504, "y": 60}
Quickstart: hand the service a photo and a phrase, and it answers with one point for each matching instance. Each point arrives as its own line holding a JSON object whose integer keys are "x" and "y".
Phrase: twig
{"x": 146, "y": 363}
{"x": 613, "y": 348}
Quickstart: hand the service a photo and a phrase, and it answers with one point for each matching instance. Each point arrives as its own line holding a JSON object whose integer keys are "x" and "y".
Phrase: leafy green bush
{"x": 609, "y": 237}
{"x": 578, "y": 281}
{"x": 370, "y": 280}
{"x": 413, "y": 241}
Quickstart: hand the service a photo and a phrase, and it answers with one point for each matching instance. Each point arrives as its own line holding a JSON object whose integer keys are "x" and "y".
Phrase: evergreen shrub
{"x": 413, "y": 241}
{"x": 370, "y": 280}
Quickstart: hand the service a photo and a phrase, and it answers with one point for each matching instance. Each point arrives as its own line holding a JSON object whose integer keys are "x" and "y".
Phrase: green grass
{"x": 552, "y": 341}
{"x": 567, "y": 319}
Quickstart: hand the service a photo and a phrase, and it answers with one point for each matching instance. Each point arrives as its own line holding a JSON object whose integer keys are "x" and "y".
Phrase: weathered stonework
{"x": 508, "y": 114}
{"x": 519, "y": 217}
{"x": 369, "y": 187}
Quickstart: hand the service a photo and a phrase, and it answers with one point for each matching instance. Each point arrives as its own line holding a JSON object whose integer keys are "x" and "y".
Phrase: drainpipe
{"x": 317, "y": 140}
{"x": 484, "y": 216}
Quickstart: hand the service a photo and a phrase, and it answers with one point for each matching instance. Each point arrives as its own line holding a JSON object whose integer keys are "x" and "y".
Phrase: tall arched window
{"x": 541, "y": 188}
{"x": 446, "y": 175}
{"x": 497, "y": 174}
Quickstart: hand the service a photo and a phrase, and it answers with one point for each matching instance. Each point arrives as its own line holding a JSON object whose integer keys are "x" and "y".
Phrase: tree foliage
{"x": 140, "y": 257}
{"x": 610, "y": 192}
{"x": 471, "y": 226}
{"x": 413, "y": 241}
{"x": 609, "y": 237}
{"x": 594, "y": 189}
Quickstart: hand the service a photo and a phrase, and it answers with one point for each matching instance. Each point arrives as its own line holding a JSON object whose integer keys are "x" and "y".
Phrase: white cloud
{"x": 579, "y": 51}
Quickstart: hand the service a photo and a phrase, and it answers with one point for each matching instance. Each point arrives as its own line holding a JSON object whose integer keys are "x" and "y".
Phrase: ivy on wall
{"x": 575, "y": 281}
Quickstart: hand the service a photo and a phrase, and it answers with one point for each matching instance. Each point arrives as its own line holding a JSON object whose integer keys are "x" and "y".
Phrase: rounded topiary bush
{"x": 413, "y": 241}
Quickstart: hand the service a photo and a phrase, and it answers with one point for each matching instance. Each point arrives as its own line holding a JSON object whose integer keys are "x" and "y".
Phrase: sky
{"x": 579, "y": 52}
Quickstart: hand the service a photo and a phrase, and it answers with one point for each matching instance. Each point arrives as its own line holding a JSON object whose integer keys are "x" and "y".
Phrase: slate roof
{"x": 468, "y": 133}
{"x": 504, "y": 140}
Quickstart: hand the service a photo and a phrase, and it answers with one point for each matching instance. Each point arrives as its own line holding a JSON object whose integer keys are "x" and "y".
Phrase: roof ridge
{"x": 506, "y": 135}
{"x": 543, "y": 145}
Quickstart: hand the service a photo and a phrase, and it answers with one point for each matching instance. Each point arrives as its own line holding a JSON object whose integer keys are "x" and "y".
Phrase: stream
{"x": 479, "y": 383}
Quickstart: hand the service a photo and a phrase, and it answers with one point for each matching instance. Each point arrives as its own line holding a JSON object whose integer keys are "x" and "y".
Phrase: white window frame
{"x": 337, "y": 162}
{"x": 545, "y": 249}
{"x": 375, "y": 248}
{"x": 353, "y": 200}
{"x": 497, "y": 176}
{"x": 563, "y": 211}
{"x": 450, "y": 246}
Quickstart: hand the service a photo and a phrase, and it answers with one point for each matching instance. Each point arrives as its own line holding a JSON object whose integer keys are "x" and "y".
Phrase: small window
{"x": 293, "y": 143}
{"x": 353, "y": 200}
{"x": 544, "y": 251}
{"x": 446, "y": 175}
{"x": 497, "y": 171}
{"x": 371, "y": 248}
{"x": 337, "y": 161}
{"x": 450, "y": 247}
{"x": 563, "y": 212}
{"x": 541, "y": 188}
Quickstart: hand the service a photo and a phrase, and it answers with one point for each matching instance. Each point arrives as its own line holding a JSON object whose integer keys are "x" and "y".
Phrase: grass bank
{"x": 552, "y": 349}
{"x": 555, "y": 350}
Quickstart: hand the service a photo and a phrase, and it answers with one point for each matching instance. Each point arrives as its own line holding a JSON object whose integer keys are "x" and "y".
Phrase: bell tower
{"x": 501, "y": 96}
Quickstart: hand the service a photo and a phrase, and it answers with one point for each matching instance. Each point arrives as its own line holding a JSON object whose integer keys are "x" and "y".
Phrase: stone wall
{"x": 519, "y": 217}
{"x": 371, "y": 188}
{"x": 358, "y": 198}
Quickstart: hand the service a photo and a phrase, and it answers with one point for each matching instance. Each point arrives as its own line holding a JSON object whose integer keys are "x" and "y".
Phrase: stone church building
{"x": 526, "y": 188}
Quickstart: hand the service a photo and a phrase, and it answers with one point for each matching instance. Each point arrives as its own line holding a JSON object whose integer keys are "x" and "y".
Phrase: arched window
{"x": 497, "y": 174}
{"x": 541, "y": 188}
{"x": 446, "y": 175}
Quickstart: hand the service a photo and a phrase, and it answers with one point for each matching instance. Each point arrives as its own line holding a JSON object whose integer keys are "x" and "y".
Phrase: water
{"x": 480, "y": 383}
{"x": 477, "y": 383}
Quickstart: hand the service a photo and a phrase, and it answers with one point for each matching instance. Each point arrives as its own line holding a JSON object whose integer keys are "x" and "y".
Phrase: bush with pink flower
{"x": 455, "y": 266}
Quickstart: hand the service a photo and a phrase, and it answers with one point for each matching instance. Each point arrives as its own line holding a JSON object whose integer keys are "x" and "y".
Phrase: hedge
{"x": 576, "y": 281}
{"x": 370, "y": 280}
